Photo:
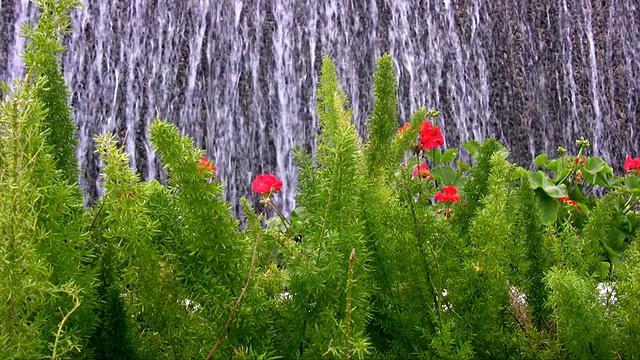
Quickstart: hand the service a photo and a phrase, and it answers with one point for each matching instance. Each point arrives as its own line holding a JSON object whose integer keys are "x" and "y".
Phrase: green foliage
{"x": 626, "y": 292}
{"x": 580, "y": 317}
{"x": 530, "y": 228}
{"x": 50, "y": 296}
{"x": 484, "y": 288}
{"x": 384, "y": 118}
{"x": 331, "y": 227}
{"x": 478, "y": 183}
{"x": 44, "y": 66}
{"x": 375, "y": 262}
{"x": 25, "y": 276}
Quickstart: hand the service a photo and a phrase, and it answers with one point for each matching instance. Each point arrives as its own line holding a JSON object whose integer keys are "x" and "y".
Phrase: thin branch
{"x": 96, "y": 217}
{"x": 76, "y": 302}
{"x": 244, "y": 290}
{"x": 515, "y": 317}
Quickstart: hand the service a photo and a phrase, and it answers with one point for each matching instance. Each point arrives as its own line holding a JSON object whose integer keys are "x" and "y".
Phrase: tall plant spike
{"x": 325, "y": 106}
{"x": 384, "y": 119}
{"x": 43, "y": 62}
{"x": 531, "y": 228}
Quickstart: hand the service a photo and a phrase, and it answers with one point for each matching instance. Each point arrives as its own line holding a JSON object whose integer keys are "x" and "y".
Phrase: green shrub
{"x": 393, "y": 251}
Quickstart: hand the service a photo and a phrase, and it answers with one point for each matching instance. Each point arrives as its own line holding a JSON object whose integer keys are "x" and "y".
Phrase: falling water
{"x": 239, "y": 77}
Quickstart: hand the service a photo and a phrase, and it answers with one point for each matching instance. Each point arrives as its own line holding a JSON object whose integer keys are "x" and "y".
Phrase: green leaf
{"x": 632, "y": 184}
{"x": 595, "y": 165}
{"x": 553, "y": 190}
{"x": 275, "y": 223}
{"x": 541, "y": 160}
{"x": 459, "y": 183}
{"x": 449, "y": 155}
{"x": 503, "y": 151}
{"x": 540, "y": 180}
{"x": 435, "y": 156}
{"x": 445, "y": 174}
{"x": 547, "y": 205}
{"x": 603, "y": 270}
{"x": 473, "y": 146}
{"x": 544, "y": 162}
{"x": 633, "y": 221}
{"x": 463, "y": 166}
{"x": 535, "y": 179}
{"x": 607, "y": 180}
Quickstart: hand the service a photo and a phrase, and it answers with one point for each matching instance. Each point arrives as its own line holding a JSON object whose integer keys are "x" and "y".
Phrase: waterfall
{"x": 239, "y": 76}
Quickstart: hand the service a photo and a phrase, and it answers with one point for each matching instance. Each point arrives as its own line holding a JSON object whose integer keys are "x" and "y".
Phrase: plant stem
{"x": 347, "y": 331}
{"x": 244, "y": 291}
{"x": 436, "y": 295}
{"x": 96, "y": 217}
{"x": 76, "y": 302}
{"x": 286, "y": 221}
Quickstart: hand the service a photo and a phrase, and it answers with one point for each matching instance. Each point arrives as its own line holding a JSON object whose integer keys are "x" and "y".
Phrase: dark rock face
{"x": 240, "y": 76}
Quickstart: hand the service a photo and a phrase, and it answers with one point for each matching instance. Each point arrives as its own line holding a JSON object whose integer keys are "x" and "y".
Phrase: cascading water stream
{"x": 240, "y": 76}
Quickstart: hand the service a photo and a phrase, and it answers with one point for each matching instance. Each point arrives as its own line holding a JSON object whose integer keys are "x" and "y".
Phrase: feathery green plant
{"x": 530, "y": 227}
{"x": 383, "y": 124}
{"x": 331, "y": 228}
{"x": 581, "y": 319}
{"x": 165, "y": 271}
{"x": 43, "y": 63}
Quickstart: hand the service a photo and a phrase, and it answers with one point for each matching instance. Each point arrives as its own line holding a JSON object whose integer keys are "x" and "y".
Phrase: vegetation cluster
{"x": 396, "y": 248}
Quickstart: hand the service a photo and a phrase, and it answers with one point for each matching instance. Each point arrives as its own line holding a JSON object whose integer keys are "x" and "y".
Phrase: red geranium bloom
{"x": 448, "y": 194}
{"x": 266, "y": 183}
{"x": 567, "y": 200}
{"x": 430, "y": 137}
{"x": 632, "y": 164}
{"x": 422, "y": 170}
{"x": 206, "y": 164}
{"x": 402, "y": 129}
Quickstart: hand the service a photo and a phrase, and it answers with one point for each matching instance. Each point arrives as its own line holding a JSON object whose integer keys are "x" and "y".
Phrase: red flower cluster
{"x": 448, "y": 194}
{"x": 582, "y": 160}
{"x": 430, "y": 137}
{"x": 402, "y": 129}
{"x": 266, "y": 184}
{"x": 632, "y": 164}
{"x": 567, "y": 200}
{"x": 206, "y": 164}
{"x": 423, "y": 171}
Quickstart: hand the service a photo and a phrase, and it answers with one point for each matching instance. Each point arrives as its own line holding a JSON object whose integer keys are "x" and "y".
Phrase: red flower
{"x": 430, "y": 137}
{"x": 449, "y": 194}
{"x": 632, "y": 164}
{"x": 567, "y": 200}
{"x": 206, "y": 164}
{"x": 266, "y": 183}
{"x": 402, "y": 129}
{"x": 422, "y": 170}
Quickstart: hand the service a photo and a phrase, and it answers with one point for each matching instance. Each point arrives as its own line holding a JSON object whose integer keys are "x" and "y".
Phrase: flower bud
{"x": 583, "y": 143}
